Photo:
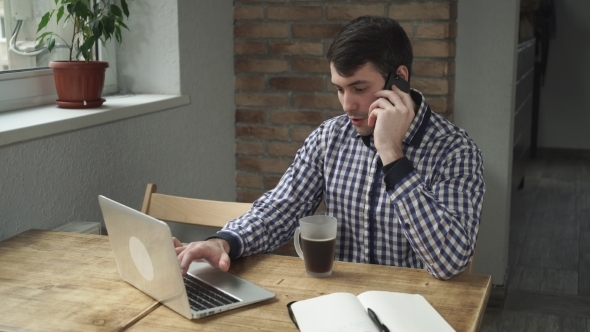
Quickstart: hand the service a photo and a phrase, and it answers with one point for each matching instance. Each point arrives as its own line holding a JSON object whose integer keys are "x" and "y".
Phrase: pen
{"x": 375, "y": 319}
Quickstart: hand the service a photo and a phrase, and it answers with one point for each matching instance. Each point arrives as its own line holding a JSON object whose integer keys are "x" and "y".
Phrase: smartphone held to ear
{"x": 394, "y": 79}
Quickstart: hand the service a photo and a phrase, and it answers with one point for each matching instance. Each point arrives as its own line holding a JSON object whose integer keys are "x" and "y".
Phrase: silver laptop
{"x": 147, "y": 260}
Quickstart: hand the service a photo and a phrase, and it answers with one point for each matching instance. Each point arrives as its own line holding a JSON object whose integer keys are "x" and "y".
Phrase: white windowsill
{"x": 35, "y": 122}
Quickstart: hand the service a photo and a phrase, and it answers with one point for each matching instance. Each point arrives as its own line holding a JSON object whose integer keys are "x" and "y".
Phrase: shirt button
{"x": 371, "y": 194}
{"x": 407, "y": 226}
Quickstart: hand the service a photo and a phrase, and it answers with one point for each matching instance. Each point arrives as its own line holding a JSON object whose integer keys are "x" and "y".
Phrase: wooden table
{"x": 461, "y": 301}
{"x": 65, "y": 281}
{"x": 55, "y": 281}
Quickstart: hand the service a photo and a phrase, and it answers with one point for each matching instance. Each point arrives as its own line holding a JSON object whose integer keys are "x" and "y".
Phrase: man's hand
{"x": 391, "y": 115}
{"x": 215, "y": 251}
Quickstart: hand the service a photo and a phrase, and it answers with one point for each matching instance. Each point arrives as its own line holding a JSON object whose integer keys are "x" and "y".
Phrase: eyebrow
{"x": 357, "y": 82}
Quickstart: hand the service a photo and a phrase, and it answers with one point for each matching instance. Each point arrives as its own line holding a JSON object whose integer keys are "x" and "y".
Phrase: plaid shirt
{"x": 423, "y": 211}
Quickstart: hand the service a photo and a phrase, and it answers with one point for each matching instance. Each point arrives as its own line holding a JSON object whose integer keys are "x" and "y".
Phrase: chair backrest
{"x": 190, "y": 210}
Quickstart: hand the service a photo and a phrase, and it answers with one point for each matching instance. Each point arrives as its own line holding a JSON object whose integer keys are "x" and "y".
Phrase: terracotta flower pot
{"x": 79, "y": 84}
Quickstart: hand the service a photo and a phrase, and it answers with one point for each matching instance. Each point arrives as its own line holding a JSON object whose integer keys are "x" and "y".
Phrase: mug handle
{"x": 297, "y": 244}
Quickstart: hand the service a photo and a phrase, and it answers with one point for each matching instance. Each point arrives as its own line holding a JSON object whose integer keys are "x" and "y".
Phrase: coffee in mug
{"x": 315, "y": 243}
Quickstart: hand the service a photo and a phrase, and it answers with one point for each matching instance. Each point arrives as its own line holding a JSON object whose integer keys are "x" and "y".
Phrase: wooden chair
{"x": 197, "y": 212}
{"x": 190, "y": 210}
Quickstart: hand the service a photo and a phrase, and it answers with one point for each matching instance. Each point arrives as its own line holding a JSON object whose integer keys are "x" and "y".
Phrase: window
{"x": 25, "y": 79}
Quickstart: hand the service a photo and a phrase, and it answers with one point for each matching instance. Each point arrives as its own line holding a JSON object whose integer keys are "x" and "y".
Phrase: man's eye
{"x": 360, "y": 89}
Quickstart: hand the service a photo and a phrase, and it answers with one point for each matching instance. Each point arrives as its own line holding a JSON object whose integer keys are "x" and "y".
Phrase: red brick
{"x": 296, "y": 48}
{"x": 310, "y": 66}
{"x": 261, "y": 65}
{"x": 248, "y": 196}
{"x": 250, "y": 116}
{"x": 299, "y": 134}
{"x": 431, "y": 86}
{"x": 296, "y": 117}
{"x": 271, "y": 181}
{"x": 249, "y": 180}
{"x": 261, "y": 30}
{"x": 283, "y": 149}
{"x": 442, "y": 104}
{"x": 315, "y": 30}
{"x": 256, "y": 1}
{"x": 250, "y": 148}
{"x": 249, "y": 82}
{"x": 423, "y": 11}
{"x": 323, "y": 101}
{"x": 262, "y": 132}
{"x": 294, "y": 13}
{"x": 261, "y": 99}
{"x": 450, "y": 116}
{"x": 297, "y": 83}
{"x": 436, "y": 30}
{"x": 435, "y": 49}
{"x": 247, "y": 48}
{"x": 248, "y": 13}
{"x": 431, "y": 68}
{"x": 408, "y": 28}
{"x": 333, "y": 114}
{"x": 271, "y": 165}
{"x": 348, "y": 12}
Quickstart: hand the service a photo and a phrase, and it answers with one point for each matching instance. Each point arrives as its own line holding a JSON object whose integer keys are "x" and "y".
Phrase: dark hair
{"x": 378, "y": 40}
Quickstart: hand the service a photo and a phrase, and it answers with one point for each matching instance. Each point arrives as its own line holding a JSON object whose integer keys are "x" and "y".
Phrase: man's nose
{"x": 349, "y": 103}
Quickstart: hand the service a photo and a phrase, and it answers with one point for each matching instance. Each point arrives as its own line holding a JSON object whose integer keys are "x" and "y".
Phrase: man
{"x": 405, "y": 184}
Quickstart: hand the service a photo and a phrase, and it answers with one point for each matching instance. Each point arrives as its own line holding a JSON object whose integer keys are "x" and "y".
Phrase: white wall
{"x": 45, "y": 183}
{"x": 484, "y": 107}
{"x": 564, "y": 112}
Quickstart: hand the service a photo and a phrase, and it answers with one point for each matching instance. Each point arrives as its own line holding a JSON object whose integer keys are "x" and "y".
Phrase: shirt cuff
{"x": 234, "y": 243}
{"x": 396, "y": 171}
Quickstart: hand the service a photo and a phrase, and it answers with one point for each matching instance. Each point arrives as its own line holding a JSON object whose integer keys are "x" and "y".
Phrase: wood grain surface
{"x": 56, "y": 281}
{"x": 461, "y": 300}
{"x": 53, "y": 281}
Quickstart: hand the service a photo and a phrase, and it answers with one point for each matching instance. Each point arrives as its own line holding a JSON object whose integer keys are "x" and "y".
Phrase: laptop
{"x": 146, "y": 259}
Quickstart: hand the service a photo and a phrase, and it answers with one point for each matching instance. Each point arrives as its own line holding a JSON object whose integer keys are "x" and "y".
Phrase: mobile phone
{"x": 393, "y": 79}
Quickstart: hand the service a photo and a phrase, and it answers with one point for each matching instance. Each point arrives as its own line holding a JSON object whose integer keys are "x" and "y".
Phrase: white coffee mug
{"x": 317, "y": 244}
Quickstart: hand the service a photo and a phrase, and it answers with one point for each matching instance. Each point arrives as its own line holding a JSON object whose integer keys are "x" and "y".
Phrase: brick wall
{"x": 282, "y": 79}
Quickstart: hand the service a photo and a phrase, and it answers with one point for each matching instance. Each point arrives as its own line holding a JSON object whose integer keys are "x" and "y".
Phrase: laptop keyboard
{"x": 202, "y": 296}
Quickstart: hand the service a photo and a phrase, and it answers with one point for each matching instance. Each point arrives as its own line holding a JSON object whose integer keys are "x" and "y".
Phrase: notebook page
{"x": 404, "y": 312}
{"x": 337, "y": 312}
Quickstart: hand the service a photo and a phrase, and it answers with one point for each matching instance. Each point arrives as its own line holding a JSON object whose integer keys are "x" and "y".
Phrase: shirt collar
{"x": 417, "y": 129}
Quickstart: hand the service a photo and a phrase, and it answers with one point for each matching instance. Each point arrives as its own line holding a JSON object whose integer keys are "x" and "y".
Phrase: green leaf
{"x": 50, "y": 43}
{"x": 125, "y": 7}
{"x": 97, "y": 29}
{"x": 118, "y": 34}
{"x": 116, "y": 10}
{"x": 81, "y": 10}
{"x": 122, "y": 24}
{"x": 85, "y": 48}
{"x": 45, "y": 34}
{"x": 70, "y": 9}
{"x": 44, "y": 20}
{"x": 60, "y": 13}
{"x": 108, "y": 26}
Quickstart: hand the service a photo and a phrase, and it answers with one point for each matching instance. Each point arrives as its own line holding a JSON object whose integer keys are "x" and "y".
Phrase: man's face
{"x": 356, "y": 94}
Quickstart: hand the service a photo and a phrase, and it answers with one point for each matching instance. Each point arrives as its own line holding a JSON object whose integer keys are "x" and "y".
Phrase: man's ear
{"x": 403, "y": 72}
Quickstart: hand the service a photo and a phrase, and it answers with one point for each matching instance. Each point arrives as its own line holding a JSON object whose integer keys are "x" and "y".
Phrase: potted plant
{"x": 79, "y": 81}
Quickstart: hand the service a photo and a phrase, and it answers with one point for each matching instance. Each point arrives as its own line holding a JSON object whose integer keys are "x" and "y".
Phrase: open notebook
{"x": 344, "y": 312}
{"x": 146, "y": 259}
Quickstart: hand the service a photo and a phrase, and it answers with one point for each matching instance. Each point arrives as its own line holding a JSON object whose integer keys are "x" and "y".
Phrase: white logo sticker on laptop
{"x": 141, "y": 258}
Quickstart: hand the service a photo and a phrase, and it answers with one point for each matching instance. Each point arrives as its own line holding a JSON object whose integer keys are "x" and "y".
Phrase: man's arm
{"x": 274, "y": 216}
{"x": 440, "y": 220}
